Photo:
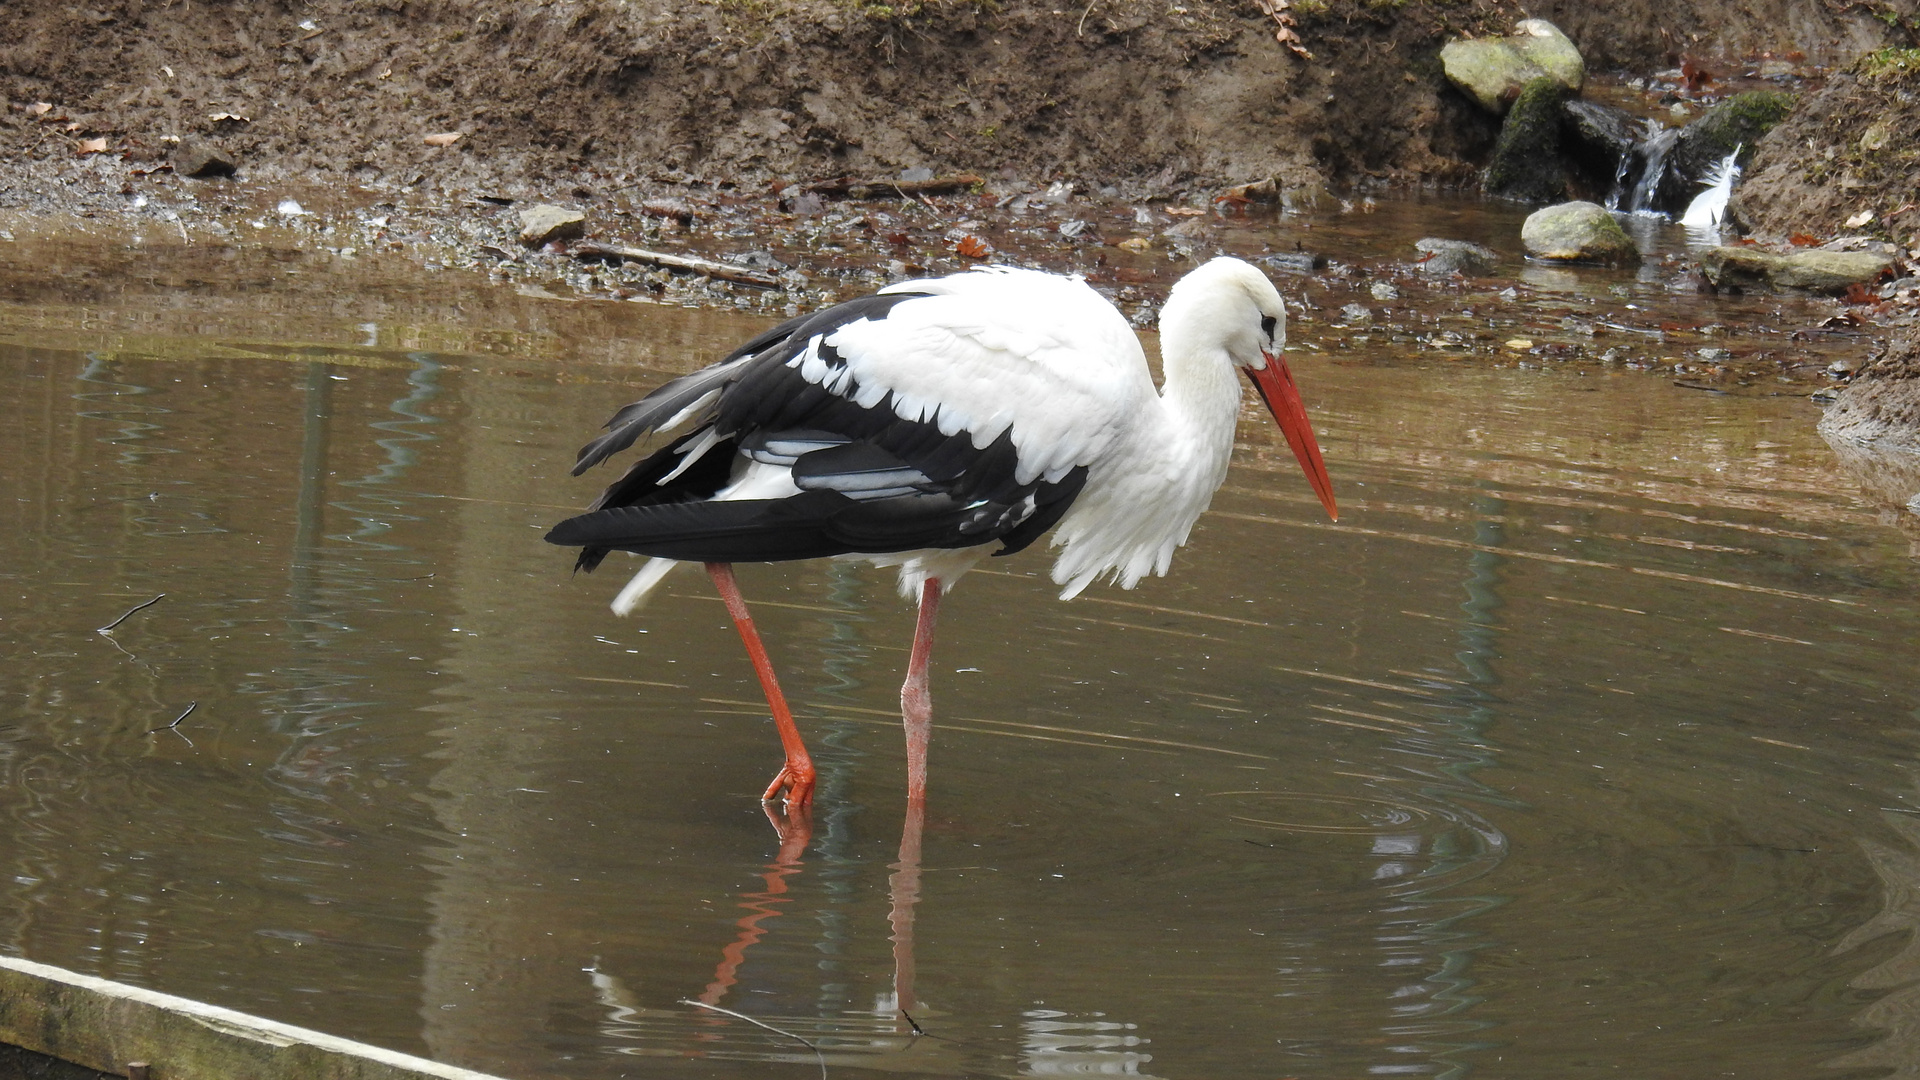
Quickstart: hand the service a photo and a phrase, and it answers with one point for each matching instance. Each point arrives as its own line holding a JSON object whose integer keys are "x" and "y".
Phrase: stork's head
{"x": 1229, "y": 305}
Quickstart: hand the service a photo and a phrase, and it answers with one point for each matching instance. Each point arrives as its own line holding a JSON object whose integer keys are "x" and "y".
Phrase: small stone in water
{"x": 1382, "y": 290}
{"x": 1356, "y": 313}
{"x": 290, "y": 208}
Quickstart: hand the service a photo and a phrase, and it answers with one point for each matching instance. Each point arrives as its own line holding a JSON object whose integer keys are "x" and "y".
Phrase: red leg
{"x": 916, "y": 702}
{"x": 797, "y": 775}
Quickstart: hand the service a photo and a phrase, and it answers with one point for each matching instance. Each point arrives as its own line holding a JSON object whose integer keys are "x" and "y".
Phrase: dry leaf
{"x": 40, "y": 108}
{"x": 1864, "y": 217}
{"x": 1519, "y": 343}
{"x": 93, "y": 146}
{"x": 444, "y": 138}
{"x": 1184, "y": 211}
{"x": 973, "y": 247}
{"x": 1135, "y": 243}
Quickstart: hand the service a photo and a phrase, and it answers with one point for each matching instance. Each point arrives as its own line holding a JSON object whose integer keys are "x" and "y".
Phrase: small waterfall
{"x": 1651, "y": 154}
{"x": 1619, "y": 188}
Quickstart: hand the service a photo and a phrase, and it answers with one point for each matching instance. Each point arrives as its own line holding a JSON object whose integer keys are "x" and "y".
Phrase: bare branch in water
{"x": 130, "y": 612}
{"x": 743, "y": 1016}
{"x": 191, "y": 705}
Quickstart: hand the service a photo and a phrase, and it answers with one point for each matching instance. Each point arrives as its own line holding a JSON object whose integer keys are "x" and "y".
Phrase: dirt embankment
{"x": 549, "y": 93}
{"x": 1847, "y": 160}
{"x": 748, "y": 90}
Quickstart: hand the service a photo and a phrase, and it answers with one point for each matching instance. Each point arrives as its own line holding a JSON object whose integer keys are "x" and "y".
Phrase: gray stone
{"x": 1551, "y": 51}
{"x": 544, "y": 224}
{"x": 1577, "y": 232}
{"x": 1491, "y": 71}
{"x": 1455, "y": 257}
{"x": 1813, "y": 271}
{"x": 1600, "y": 137}
{"x": 195, "y": 156}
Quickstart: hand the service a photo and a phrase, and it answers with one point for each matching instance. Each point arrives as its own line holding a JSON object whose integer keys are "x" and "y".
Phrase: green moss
{"x": 1888, "y": 65}
{"x": 1526, "y": 159}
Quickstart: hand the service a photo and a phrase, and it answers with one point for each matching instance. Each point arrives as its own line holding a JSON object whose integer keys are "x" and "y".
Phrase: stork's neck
{"x": 1201, "y": 397}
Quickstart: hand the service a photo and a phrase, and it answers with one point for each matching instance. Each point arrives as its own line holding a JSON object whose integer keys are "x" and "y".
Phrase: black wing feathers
{"x": 869, "y": 481}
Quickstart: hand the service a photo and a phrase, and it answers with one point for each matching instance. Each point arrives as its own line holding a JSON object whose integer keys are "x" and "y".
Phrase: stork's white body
{"x": 938, "y": 421}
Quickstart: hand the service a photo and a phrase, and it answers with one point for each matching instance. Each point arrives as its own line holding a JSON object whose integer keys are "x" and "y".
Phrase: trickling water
{"x": 1651, "y": 155}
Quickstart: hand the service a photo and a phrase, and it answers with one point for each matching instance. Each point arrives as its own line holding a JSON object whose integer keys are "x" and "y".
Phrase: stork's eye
{"x": 1266, "y": 326}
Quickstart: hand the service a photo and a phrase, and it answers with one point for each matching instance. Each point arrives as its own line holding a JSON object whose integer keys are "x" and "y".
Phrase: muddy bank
{"x": 546, "y": 97}
{"x": 1844, "y": 160}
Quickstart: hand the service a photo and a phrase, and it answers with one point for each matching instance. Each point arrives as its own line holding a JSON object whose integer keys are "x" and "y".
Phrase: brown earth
{"x": 1846, "y": 160}
{"x": 548, "y": 95}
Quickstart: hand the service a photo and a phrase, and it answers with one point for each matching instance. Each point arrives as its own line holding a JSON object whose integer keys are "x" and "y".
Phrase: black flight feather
{"x": 870, "y": 481}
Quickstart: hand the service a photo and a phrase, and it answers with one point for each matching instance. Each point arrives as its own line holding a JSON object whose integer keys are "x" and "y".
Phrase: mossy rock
{"x": 1737, "y": 122}
{"x": 1494, "y": 71}
{"x": 1527, "y": 163}
{"x": 1814, "y": 270}
{"x": 1577, "y": 232}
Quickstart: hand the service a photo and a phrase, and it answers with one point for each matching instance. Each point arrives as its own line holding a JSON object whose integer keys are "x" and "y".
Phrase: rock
{"x": 1882, "y": 403}
{"x": 1599, "y": 138}
{"x": 1257, "y": 191}
{"x": 1455, "y": 257}
{"x": 196, "y": 156}
{"x": 1577, "y": 232}
{"x": 1737, "y": 122}
{"x": 1526, "y": 162}
{"x": 1294, "y": 262}
{"x": 1383, "y": 290}
{"x": 1492, "y": 71}
{"x": 1814, "y": 270}
{"x": 543, "y": 224}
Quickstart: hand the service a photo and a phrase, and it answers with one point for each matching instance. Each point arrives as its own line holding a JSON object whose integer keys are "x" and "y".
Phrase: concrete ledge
{"x": 106, "y": 1025}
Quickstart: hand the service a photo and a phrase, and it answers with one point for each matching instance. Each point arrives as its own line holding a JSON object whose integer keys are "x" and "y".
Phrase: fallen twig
{"x": 743, "y": 1016}
{"x": 592, "y": 250}
{"x": 844, "y": 184}
{"x": 191, "y": 705}
{"x": 129, "y": 613}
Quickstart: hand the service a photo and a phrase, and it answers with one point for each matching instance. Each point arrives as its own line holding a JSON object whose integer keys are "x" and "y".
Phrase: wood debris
{"x": 1286, "y": 33}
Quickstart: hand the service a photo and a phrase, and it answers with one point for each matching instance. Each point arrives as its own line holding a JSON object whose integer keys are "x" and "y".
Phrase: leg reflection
{"x": 903, "y": 886}
{"x": 795, "y": 826}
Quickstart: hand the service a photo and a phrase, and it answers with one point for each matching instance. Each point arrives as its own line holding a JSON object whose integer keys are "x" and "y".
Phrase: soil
{"x": 1845, "y": 161}
{"x": 548, "y": 96}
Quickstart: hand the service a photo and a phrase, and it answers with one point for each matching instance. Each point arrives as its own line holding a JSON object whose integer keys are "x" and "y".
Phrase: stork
{"x": 933, "y": 423}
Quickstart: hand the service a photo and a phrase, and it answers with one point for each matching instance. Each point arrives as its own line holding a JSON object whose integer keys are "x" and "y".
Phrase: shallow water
{"x": 1582, "y": 744}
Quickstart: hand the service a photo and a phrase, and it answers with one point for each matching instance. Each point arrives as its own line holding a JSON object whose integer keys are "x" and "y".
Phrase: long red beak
{"x": 1277, "y": 389}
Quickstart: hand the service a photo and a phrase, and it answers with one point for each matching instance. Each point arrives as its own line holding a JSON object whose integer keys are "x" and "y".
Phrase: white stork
{"x": 933, "y": 423}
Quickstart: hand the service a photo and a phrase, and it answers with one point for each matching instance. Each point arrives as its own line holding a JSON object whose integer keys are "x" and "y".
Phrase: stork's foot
{"x": 795, "y": 826}
{"x": 796, "y": 778}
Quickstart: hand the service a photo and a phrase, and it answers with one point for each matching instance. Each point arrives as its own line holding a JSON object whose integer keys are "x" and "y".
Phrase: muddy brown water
{"x": 1583, "y": 744}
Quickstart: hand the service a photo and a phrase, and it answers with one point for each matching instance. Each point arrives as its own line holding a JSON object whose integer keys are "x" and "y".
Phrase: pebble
{"x": 544, "y": 224}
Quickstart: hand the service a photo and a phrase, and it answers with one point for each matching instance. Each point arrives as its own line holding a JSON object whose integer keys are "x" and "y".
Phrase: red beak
{"x": 1277, "y": 389}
